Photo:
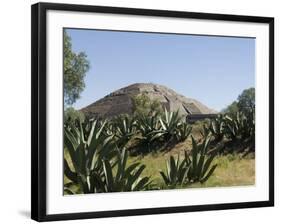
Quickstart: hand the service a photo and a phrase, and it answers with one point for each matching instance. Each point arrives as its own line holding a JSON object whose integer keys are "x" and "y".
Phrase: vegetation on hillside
{"x": 153, "y": 148}
{"x": 144, "y": 106}
{"x": 113, "y": 155}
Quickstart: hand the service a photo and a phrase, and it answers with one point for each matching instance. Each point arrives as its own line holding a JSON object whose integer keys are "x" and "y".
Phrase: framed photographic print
{"x": 139, "y": 111}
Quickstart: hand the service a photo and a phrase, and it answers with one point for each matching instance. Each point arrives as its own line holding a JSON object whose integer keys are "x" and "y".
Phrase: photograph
{"x": 147, "y": 111}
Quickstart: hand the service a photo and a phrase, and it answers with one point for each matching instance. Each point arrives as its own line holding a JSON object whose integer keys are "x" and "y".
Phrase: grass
{"x": 232, "y": 170}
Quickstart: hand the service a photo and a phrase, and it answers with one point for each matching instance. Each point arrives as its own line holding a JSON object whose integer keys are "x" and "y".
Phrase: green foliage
{"x": 169, "y": 124}
{"x": 144, "y": 106}
{"x": 205, "y": 131}
{"x": 149, "y": 129}
{"x": 87, "y": 149}
{"x": 232, "y": 109}
{"x": 97, "y": 166}
{"x": 200, "y": 162}
{"x": 96, "y": 151}
{"x": 183, "y": 131}
{"x": 155, "y": 129}
{"x": 240, "y": 117}
{"x": 75, "y": 66}
{"x": 123, "y": 129}
{"x": 238, "y": 128}
{"x": 176, "y": 172}
{"x": 241, "y": 126}
{"x": 197, "y": 167}
{"x": 232, "y": 127}
{"x": 246, "y": 101}
{"x": 121, "y": 177}
{"x": 71, "y": 115}
{"x": 216, "y": 127}
{"x": 238, "y": 120}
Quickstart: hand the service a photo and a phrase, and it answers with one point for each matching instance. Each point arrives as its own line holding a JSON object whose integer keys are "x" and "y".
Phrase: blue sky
{"x": 211, "y": 69}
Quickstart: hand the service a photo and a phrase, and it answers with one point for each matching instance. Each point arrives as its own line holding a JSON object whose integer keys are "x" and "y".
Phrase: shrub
{"x": 96, "y": 165}
{"x": 71, "y": 115}
{"x": 205, "y": 131}
{"x": 216, "y": 127}
{"x": 124, "y": 178}
{"x": 149, "y": 131}
{"x": 245, "y": 103}
{"x": 143, "y": 105}
{"x": 169, "y": 124}
{"x": 200, "y": 161}
{"x": 183, "y": 131}
{"x": 123, "y": 129}
{"x": 196, "y": 167}
{"x": 176, "y": 171}
{"x": 87, "y": 148}
{"x": 240, "y": 127}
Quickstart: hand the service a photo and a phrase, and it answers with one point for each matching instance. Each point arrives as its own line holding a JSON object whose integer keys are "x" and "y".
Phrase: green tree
{"x": 246, "y": 101}
{"x": 232, "y": 109}
{"x": 143, "y": 105}
{"x": 75, "y": 66}
{"x": 71, "y": 115}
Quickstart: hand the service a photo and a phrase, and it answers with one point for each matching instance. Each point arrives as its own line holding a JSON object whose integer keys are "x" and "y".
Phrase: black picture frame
{"x": 39, "y": 122}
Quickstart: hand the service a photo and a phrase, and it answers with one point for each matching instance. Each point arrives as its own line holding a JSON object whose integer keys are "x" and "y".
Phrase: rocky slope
{"x": 120, "y": 101}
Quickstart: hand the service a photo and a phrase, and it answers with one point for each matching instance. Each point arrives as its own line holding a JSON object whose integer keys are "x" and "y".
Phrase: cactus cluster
{"x": 165, "y": 128}
{"x": 196, "y": 167}
{"x": 97, "y": 153}
{"x": 96, "y": 164}
{"x": 234, "y": 127}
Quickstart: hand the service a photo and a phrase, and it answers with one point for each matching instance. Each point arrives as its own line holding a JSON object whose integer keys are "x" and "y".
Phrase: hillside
{"x": 120, "y": 101}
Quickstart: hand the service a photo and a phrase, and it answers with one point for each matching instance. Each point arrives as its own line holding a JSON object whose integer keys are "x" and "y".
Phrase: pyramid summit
{"x": 120, "y": 101}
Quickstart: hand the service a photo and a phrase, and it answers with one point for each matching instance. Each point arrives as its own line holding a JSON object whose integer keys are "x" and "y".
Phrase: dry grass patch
{"x": 232, "y": 170}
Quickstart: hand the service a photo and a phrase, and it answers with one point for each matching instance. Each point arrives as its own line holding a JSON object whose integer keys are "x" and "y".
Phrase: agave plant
{"x": 183, "y": 131}
{"x": 232, "y": 128}
{"x": 109, "y": 128}
{"x": 249, "y": 127}
{"x": 119, "y": 177}
{"x": 200, "y": 162}
{"x": 169, "y": 123}
{"x": 205, "y": 132}
{"x": 176, "y": 172}
{"x": 87, "y": 148}
{"x": 149, "y": 129}
{"x": 195, "y": 167}
{"x": 240, "y": 127}
{"x": 246, "y": 125}
{"x": 216, "y": 127}
{"x": 124, "y": 129}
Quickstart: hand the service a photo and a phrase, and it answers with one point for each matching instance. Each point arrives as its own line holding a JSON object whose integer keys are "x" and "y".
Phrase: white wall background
{"x": 15, "y": 109}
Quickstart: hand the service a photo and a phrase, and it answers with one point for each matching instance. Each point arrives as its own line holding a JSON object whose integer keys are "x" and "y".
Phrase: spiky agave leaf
{"x": 200, "y": 161}
{"x": 176, "y": 171}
